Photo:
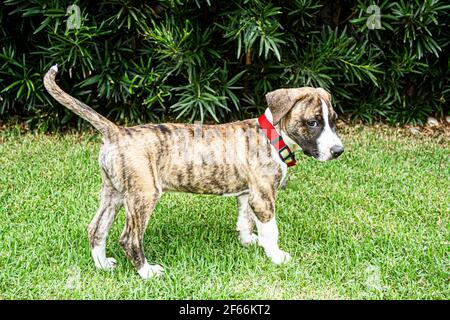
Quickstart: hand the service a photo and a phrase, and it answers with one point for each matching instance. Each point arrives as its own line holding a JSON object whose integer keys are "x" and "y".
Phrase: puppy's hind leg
{"x": 99, "y": 227}
{"x": 245, "y": 222}
{"x": 138, "y": 208}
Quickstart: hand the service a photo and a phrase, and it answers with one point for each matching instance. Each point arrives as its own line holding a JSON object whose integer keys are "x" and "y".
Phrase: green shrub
{"x": 138, "y": 61}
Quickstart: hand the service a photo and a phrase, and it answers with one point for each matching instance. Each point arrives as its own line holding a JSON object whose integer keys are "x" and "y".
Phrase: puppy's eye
{"x": 312, "y": 123}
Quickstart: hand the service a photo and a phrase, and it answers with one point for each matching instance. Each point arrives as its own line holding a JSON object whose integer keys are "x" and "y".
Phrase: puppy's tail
{"x": 99, "y": 122}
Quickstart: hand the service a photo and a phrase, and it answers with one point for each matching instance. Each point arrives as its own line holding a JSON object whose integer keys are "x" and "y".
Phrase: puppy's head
{"x": 306, "y": 116}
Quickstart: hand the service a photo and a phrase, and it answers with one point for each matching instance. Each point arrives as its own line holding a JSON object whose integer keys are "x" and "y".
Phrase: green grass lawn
{"x": 372, "y": 225}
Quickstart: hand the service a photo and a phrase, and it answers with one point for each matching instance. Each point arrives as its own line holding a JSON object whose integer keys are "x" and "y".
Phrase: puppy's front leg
{"x": 268, "y": 239}
{"x": 263, "y": 207}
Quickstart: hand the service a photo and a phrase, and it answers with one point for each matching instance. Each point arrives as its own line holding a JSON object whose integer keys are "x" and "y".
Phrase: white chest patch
{"x": 283, "y": 166}
{"x": 274, "y": 153}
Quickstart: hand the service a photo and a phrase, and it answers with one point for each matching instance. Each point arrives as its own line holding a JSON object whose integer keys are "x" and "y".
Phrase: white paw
{"x": 248, "y": 239}
{"x": 106, "y": 264}
{"x": 279, "y": 257}
{"x": 148, "y": 271}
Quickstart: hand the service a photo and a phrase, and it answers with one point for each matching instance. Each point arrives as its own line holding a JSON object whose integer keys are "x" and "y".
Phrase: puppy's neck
{"x": 290, "y": 143}
{"x": 280, "y": 127}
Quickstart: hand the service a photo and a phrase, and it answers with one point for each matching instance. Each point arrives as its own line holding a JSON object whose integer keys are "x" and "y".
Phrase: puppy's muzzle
{"x": 336, "y": 151}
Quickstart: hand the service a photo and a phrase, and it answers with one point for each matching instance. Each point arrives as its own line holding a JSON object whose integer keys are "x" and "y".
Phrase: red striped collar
{"x": 276, "y": 140}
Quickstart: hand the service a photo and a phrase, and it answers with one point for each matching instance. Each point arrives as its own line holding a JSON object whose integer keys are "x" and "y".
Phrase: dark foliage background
{"x": 140, "y": 61}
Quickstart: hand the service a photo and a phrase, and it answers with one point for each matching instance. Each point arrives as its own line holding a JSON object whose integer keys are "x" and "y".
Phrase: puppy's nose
{"x": 336, "y": 150}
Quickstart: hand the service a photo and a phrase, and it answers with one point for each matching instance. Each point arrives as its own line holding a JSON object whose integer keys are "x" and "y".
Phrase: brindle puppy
{"x": 139, "y": 163}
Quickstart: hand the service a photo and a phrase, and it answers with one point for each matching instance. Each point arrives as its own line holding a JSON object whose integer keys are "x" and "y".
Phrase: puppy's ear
{"x": 281, "y": 101}
{"x": 324, "y": 95}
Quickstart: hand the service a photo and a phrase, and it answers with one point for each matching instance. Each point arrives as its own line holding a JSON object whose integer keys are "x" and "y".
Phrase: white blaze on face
{"x": 327, "y": 138}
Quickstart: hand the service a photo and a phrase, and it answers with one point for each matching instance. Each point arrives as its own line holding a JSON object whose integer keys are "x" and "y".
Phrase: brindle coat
{"x": 139, "y": 163}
